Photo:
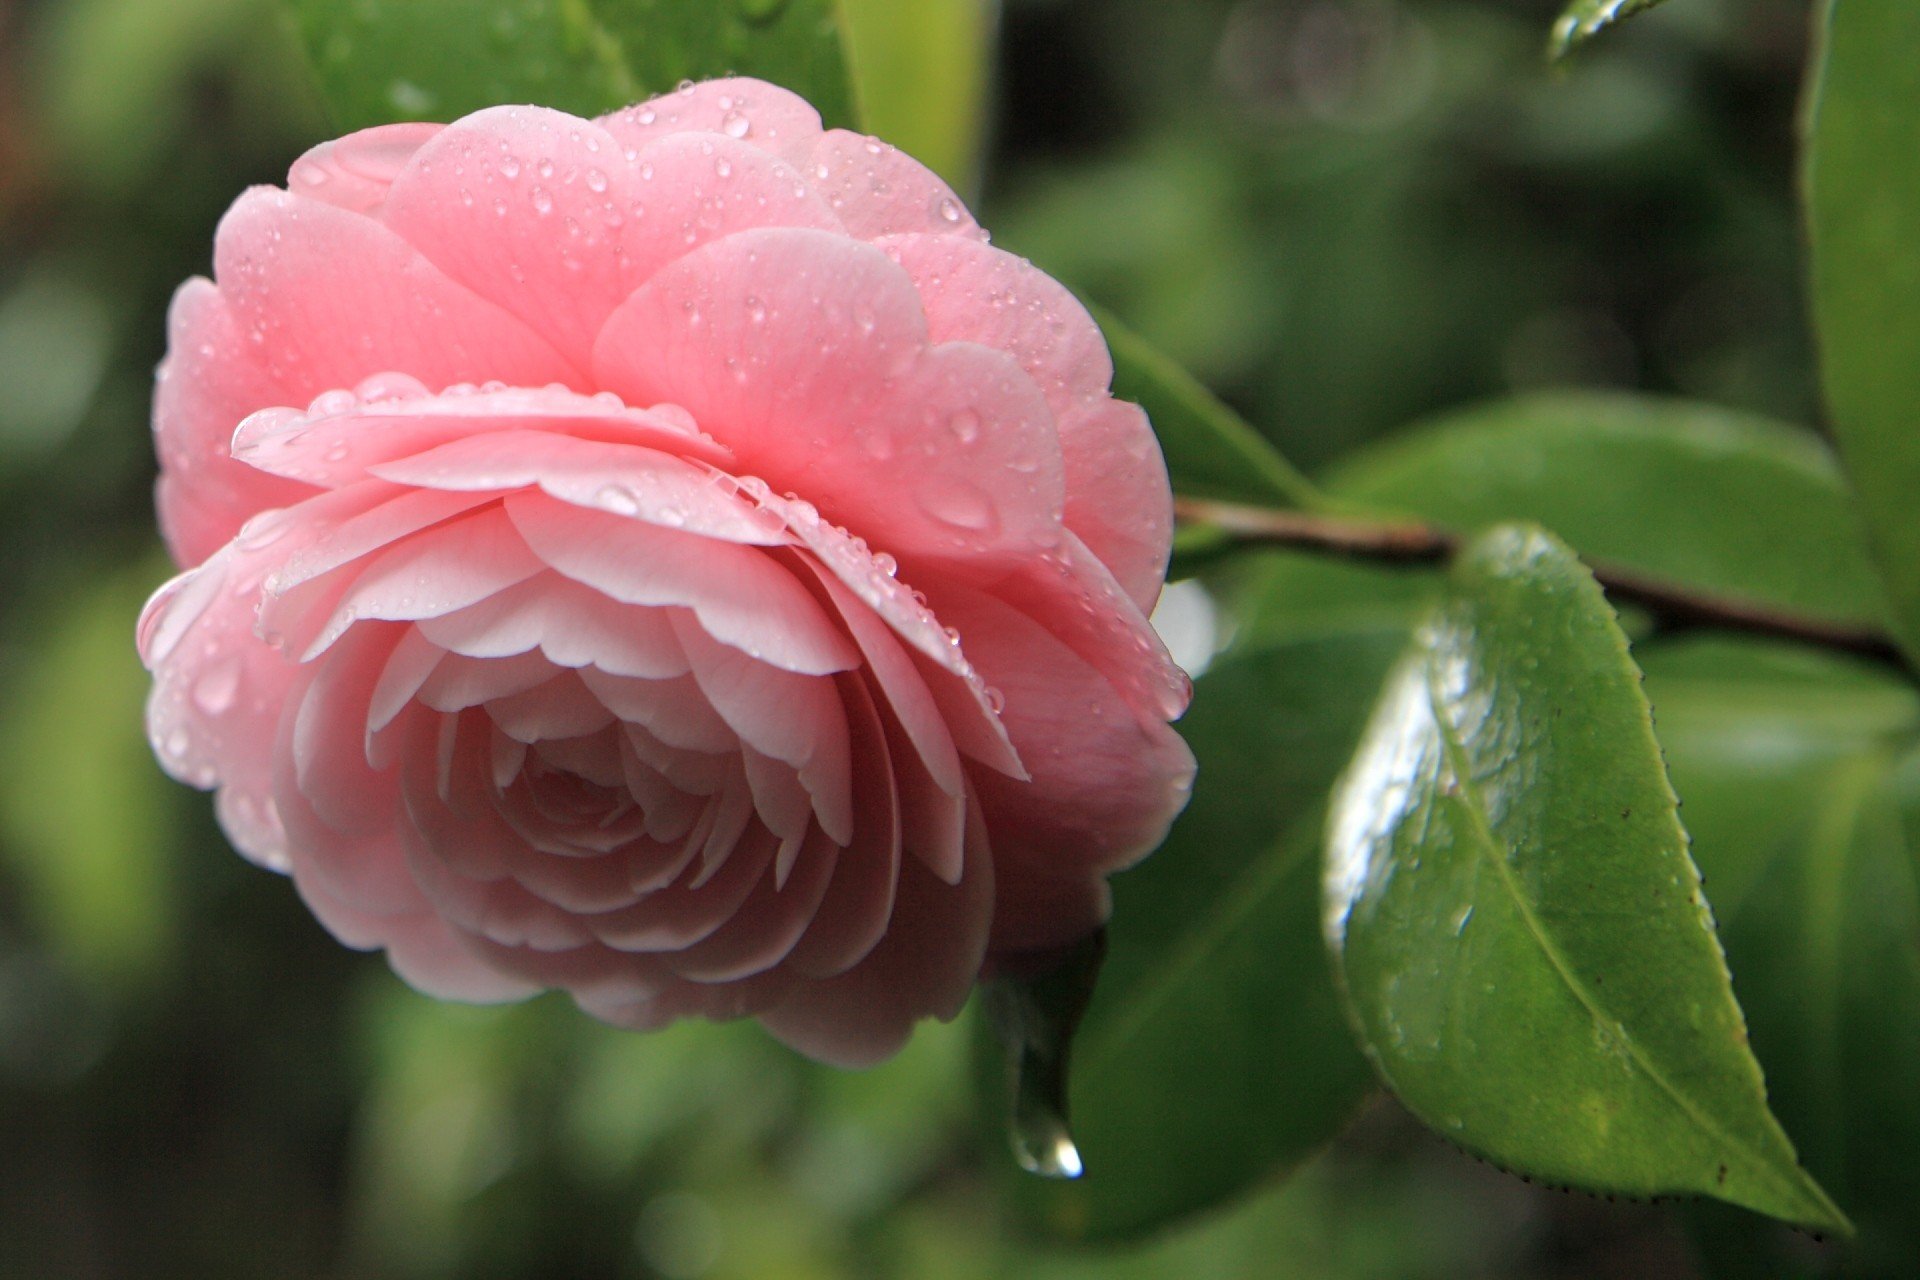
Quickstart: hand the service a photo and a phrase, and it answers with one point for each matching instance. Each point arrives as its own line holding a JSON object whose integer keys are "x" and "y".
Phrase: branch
{"x": 1673, "y": 606}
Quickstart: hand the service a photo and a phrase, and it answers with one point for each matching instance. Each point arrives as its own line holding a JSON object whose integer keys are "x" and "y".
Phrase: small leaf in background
{"x": 1211, "y": 451}
{"x": 380, "y": 61}
{"x": 1214, "y": 1053}
{"x": 84, "y": 814}
{"x": 1585, "y": 19}
{"x": 1862, "y": 193}
{"x": 1517, "y": 926}
{"x": 1703, "y": 496}
{"x": 921, "y": 72}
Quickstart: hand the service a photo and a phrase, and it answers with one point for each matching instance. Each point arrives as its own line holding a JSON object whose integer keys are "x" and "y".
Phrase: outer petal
{"x": 1107, "y": 780}
{"x": 207, "y": 384}
{"x": 329, "y": 298}
{"x": 1118, "y": 500}
{"x": 355, "y": 172}
{"x": 525, "y": 206}
{"x": 737, "y": 107}
{"x": 880, "y": 190}
{"x": 806, "y": 354}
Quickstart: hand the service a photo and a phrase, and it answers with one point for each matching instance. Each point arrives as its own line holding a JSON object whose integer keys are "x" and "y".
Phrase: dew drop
{"x": 959, "y": 503}
{"x": 948, "y": 208}
{"x": 177, "y": 743}
{"x": 735, "y": 125}
{"x": 510, "y": 167}
{"x": 618, "y": 499}
{"x": 964, "y": 426}
{"x": 215, "y": 690}
{"x": 596, "y": 181}
{"x": 542, "y": 201}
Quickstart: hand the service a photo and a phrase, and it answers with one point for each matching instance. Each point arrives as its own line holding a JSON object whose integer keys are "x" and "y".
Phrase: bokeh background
{"x": 1343, "y": 214}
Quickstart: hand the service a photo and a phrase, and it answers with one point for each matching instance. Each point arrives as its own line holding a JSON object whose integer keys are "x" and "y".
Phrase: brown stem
{"x": 1672, "y": 605}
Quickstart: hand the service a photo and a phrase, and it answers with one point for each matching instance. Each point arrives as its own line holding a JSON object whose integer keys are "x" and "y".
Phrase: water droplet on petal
{"x": 596, "y": 181}
{"x": 216, "y": 688}
{"x": 964, "y": 426}
{"x": 618, "y": 499}
{"x": 542, "y": 201}
{"x": 959, "y": 503}
{"x": 948, "y": 208}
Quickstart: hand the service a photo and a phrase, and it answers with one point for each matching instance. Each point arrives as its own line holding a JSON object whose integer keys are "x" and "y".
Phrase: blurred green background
{"x": 1342, "y": 214}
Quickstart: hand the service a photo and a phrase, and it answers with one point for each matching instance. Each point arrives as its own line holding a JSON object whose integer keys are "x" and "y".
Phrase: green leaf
{"x": 1585, "y": 19}
{"x": 380, "y": 61}
{"x": 1694, "y": 494}
{"x": 1214, "y": 1052}
{"x": 1211, "y": 451}
{"x": 1516, "y": 923}
{"x": 1862, "y": 191}
{"x": 922, "y": 71}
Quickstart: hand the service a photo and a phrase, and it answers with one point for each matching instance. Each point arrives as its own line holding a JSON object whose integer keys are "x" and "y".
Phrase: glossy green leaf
{"x": 384, "y": 60}
{"x": 1862, "y": 191}
{"x": 1214, "y": 1052}
{"x": 1211, "y": 451}
{"x": 1585, "y": 19}
{"x": 921, "y": 71}
{"x": 1518, "y": 928}
{"x": 1695, "y": 494}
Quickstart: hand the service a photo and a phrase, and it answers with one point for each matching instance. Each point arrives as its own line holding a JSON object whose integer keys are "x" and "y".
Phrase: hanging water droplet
{"x": 1035, "y": 1015}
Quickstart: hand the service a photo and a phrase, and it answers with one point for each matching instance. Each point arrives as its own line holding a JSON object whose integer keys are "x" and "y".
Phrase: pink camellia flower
{"x": 670, "y": 558}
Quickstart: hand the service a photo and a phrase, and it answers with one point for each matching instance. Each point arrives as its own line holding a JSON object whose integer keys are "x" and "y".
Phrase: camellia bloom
{"x": 671, "y": 558}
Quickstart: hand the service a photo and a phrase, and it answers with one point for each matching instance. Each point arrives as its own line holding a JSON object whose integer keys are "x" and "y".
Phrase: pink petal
{"x": 924, "y": 967}
{"x": 208, "y": 383}
{"x": 859, "y": 902}
{"x": 355, "y": 172}
{"x": 735, "y": 107}
{"x": 431, "y": 573}
{"x": 694, "y": 189}
{"x": 742, "y": 597}
{"x": 329, "y": 298}
{"x": 526, "y": 207}
{"x": 806, "y": 354}
{"x": 765, "y": 928}
{"x": 573, "y": 625}
{"x": 1117, "y": 499}
{"x": 1107, "y": 778}
{"x": 342, "y": 437}
{"x": 794, "y": 718}
{"x": 880, "y": 190}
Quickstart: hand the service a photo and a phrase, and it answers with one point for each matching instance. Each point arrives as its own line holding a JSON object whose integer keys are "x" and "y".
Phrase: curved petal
{"x": 344, "y": 437}
{"x": 734, "y": 107}
{"x": 1118, "y": 499}
{"x": 329, "y": 298}
{"x": 526, "y": 207}
{"x": 208, "y": 383}
{"x": 924, "y": 967}
{"x": 741, "y": 596}
{"x": 806, "y": 354}
{"x": 355, "y": 172}
{"x": 1107, "y": 780}
{"x": 879, "y": 190}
